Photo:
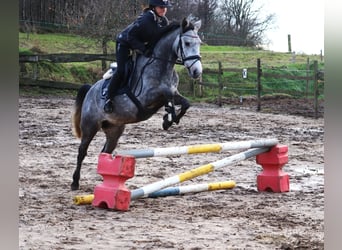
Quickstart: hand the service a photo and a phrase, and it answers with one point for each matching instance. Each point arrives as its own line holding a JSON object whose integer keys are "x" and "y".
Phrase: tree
{"x": 224, "y": 22}
{"x": 182, "y": 8}
{"x": 241, "y": 22}
{"x": 104, "y": 19}
{"x": 206, "y": 11}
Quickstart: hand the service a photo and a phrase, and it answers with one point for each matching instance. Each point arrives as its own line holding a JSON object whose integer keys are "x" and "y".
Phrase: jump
{"x": 152, "y": 84}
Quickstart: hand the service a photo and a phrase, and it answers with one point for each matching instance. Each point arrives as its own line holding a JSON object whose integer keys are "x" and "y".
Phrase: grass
{"x": 68, "y": 43}
{"x": 60, "y": 43}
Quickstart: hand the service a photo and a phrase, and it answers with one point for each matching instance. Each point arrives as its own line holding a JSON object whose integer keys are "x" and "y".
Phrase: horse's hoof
{"x": 166, "y": 125}
{"x": 166, "y": 122}
{"x": 74, "y": 186}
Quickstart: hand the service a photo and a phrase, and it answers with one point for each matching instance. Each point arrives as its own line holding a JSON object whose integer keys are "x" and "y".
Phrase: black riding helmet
{"x": 160, "y": 3}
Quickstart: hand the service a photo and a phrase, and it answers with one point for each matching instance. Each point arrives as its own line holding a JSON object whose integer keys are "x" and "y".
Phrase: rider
{"x": 141, "y": 36}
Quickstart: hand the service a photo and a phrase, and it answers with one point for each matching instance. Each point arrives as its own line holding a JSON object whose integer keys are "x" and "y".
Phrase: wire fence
{"x": 259, "y": 82}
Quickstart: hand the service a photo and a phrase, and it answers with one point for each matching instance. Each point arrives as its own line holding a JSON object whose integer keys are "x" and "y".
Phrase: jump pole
{"x": 200, "y": 148}
{"x": 170, "y": 191}
{"x": 196, "y": 188}
{"x": 202, "y": 170}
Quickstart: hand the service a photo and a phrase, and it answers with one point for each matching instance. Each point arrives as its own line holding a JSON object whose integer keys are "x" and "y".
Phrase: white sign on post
{"x": 244, "y": 73}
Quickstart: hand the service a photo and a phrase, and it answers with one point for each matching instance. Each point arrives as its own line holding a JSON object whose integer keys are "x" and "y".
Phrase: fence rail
{"x": 290, "y": 77}
{"x": 65, "y": 58}
{"x": 25, "y": 81}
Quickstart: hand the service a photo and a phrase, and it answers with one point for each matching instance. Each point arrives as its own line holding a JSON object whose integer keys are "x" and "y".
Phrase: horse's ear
{"x": 197, "y": 25}
{"x": 185, "y": 24}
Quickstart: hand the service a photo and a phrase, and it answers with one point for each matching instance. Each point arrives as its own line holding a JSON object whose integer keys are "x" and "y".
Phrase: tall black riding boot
{"x": 112, "y": 89}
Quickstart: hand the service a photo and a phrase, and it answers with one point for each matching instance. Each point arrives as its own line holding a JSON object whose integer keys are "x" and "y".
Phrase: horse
{"x": 152, "y": 84}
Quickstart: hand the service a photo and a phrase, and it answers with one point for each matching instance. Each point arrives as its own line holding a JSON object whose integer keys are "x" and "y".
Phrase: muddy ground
{"x": 239, "y": 218}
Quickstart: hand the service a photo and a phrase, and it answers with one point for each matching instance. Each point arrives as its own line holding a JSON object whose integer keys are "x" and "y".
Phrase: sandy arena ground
{"x": 239, "y": 218}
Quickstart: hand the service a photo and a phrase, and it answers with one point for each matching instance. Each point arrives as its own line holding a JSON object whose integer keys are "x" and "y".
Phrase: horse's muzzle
{"x": 195, "y": 69}
{"x": 196, "y": 74}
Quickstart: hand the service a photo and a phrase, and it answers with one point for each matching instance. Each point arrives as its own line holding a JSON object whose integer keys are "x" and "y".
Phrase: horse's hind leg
{"x": 87, "y": 137}
{"x": 113, "y": 134}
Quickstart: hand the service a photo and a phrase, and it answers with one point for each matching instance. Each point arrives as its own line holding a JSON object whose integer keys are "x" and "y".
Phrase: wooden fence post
{"x": 316, "y": 88}
{"x": 35, "y": 71}
{"x": 307, "y": 75}
{"x": 35, "y": 68}
{"x": 289, "y": 43}
{"x": 192, "y": 87}
{"x": 259, "y": 72}
{"x": 200, "y": 87}
{"x": 220, "y": 73}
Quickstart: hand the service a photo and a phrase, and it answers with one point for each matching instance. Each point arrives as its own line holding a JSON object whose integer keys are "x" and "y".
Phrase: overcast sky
{"x": 302, "y": 19}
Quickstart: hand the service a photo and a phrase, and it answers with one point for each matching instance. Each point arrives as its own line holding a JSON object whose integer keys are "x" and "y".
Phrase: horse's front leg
{"x": 172, "y": 116}
{"x": 184, "y": 105}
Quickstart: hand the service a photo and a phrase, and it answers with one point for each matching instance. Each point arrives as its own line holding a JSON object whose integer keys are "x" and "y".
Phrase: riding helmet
{"x": 160, "y": 3}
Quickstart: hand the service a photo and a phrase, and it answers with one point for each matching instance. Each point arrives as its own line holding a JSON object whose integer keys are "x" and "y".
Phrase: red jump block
{"x": 272, "y": 178}
{"x": 113, "y": 193}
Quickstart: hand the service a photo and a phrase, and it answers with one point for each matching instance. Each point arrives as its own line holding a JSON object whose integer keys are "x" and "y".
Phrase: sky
{"x": 302, "y": 19}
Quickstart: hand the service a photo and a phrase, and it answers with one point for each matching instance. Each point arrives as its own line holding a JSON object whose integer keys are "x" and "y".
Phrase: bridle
{"x": 185, "y": 58}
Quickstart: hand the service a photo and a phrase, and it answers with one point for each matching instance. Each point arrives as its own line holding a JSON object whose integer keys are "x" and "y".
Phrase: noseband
{"x": 185, "y": 58}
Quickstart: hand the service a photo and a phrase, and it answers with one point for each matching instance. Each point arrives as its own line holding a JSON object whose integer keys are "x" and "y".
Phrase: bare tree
{"x": 242, "y": 23}
{"x": 206, "y": 11}
{"x": 181, "y": 9}
{"x": 232, "y": 22}
{"x": 104, "y": 19}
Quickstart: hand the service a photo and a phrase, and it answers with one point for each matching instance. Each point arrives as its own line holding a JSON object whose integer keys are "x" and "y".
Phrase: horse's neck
{"x": 165, "y": 47}
{"x": 163, "y": 65}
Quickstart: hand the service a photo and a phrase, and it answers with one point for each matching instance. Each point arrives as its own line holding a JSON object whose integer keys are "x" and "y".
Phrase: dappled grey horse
{"x": 152, "y": 85}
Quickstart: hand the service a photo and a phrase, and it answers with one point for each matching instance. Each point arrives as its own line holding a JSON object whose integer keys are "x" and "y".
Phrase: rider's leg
{"x": 113, "y": 87}
{"x": 122, "y": 53}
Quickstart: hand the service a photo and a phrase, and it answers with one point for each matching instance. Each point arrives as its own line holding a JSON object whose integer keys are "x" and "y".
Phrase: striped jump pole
{"x": 196, "y": 188}
{"x": 170, "y": 191}
{"x": 200, "y": 148}
{"x": 202, "y": 170}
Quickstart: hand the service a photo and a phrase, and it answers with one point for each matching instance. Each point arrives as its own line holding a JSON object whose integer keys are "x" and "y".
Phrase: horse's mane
{"x": 165, "y": 36}
{"x": 184, "y": 27}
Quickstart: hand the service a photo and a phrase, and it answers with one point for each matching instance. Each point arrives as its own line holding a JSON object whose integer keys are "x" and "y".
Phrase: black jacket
{"x": 145, "y": 31}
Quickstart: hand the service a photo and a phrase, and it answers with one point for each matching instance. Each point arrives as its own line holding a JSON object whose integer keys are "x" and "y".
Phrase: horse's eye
{"x": 187, "y": 44}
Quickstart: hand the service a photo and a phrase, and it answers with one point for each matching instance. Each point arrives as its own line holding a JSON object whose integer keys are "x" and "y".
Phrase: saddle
{"x": 128, "y": 86}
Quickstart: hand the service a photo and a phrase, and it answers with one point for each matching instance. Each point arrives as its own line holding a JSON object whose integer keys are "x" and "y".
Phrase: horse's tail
{"x": 76, "y": 117}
